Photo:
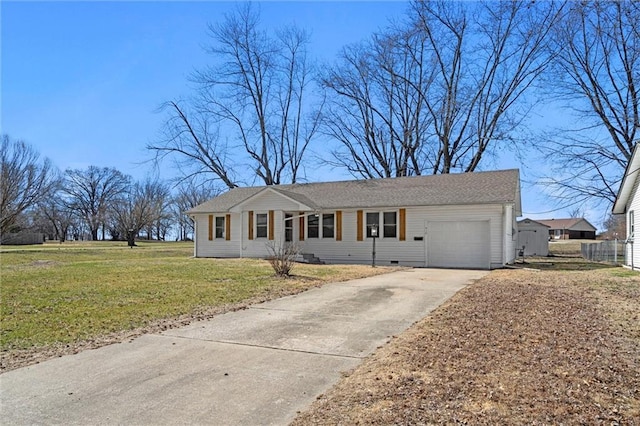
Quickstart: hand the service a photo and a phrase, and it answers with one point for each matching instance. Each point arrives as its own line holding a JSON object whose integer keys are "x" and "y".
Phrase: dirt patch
{"x": 517, "y": 347}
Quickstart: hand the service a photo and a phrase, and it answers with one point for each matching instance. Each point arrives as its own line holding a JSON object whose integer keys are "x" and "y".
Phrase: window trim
{"x": 332, "y": 226}
{"x": 265, "y": 225}
{"x": 381, "y": 224}
{"x": 219, "y": 227}
{"x": 631, "y": 224}
{"x": 315, "y": 226}
{"x": 385, "y": 226}
{"x": 367, "y": 226}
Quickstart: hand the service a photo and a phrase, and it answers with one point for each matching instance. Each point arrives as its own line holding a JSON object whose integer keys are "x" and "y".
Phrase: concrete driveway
{"x": 256, "y": 366}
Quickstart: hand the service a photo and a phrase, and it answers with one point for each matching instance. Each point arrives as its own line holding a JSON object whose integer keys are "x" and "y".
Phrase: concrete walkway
{"x": 256, "y": 366}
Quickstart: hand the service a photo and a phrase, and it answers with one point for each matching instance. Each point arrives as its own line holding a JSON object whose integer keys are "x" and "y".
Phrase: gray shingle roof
{"x": 493, "y": 187}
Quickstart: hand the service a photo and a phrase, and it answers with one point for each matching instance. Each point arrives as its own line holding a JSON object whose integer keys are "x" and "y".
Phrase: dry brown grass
{"x": 517, "y": 347}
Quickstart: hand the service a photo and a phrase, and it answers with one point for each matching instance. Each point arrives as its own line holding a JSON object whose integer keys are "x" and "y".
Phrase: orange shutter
{"x": 301, "y": 228}
{"x": 403, "y": 224}
{"x": 359, "y": 225}
{"x": 210, "y": 227}
{"x": 271, "y": 224}
{"x": 339, "y": 225}
{"x": 227, "y": 231}
{"x": 251, "y": 224}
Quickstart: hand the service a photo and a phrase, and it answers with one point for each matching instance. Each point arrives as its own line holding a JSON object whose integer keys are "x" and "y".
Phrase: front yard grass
{"x": 63, "y": 296}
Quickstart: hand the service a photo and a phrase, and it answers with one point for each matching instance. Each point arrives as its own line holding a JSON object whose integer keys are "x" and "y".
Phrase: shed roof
{"x": 495, "y": 187}
{"x": 570, "y": 223}
{"x": 528, "y": 221}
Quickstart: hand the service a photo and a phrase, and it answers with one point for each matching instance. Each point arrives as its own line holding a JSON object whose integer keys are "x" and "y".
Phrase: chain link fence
{"x": 604, "y": 251}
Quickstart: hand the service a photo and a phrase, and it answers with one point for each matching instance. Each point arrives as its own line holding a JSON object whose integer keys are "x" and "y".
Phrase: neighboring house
{"x": 455, "y": 220}
{"x": 533, "y": 236}
{"x": 570, "y": 229}
{"x": 628, "y": 203}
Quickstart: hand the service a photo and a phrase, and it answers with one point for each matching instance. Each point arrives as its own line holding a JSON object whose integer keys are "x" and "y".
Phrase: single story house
{"x": 570, "y": 229}
{"x": 533, "y": 238}
{"x": 628, "y": 203}
{"x": 465, "y": 220}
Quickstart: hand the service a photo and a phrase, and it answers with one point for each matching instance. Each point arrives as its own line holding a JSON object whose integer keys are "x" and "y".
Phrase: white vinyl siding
{"x": 218, "y": 247}
{"x": 412, "y": 252}
{"x": 632, "y": 258}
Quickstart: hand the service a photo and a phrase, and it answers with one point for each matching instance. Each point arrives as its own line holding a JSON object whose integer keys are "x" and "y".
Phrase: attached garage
{"x": 458, "y": 245}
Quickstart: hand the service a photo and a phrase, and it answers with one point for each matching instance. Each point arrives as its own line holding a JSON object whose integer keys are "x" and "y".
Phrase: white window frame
{"x": 631, "y": 225}
{"x": 219, "y": 228}
{"x": 266, "y": 225}
{"x": 380, "y": 224}
{"x": 332, "y": 226}
{"x": 384, "y": 225}
{"x": 318, "y": 227}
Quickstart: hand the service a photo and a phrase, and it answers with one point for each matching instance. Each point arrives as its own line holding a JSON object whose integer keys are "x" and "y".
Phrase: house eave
{"x": 627, "y": 184}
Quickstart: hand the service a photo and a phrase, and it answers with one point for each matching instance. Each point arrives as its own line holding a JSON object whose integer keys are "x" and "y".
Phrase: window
{"x": 313, "y": 225}
{"x": 328, "y": 225}
{"x": 389, "y": 228}
{"x": 220, "y": 227}
{"x": 261, "y": 225}
{"x": 373, "y": 219}
{"x": 390, "y": 222}
{"x": 288, "y": 227}
{"x": 631, "y": 224}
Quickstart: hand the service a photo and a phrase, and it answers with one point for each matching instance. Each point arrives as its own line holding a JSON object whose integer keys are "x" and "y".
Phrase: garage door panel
{"x": 456, "y": 244}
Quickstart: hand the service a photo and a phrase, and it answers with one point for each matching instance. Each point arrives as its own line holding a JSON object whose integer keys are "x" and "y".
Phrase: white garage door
{"x": 458, "y": 245}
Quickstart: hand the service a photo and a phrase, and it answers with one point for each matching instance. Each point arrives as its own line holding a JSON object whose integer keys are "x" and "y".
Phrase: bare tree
{"x": 59, "y": 215}
{"x": 140, "y": 207}
{"x": 26, "y": 180}
{"x": 91, "y": 193}
{"x": 376, "y": 112}
{"x": 486, "y": 56}
{"x": 441, "y": 92}
{"x": 596, "y": 73}
{"x": 616, "y": 227}
{"x": 189, "y": 195}
{"x": 257, "y": 93}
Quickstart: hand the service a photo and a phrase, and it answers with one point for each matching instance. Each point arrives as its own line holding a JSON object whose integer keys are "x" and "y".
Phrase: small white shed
{"x": 534, "y": 237}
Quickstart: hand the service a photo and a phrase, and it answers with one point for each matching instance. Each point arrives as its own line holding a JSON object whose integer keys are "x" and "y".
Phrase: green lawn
{"x": 54, "y": 293}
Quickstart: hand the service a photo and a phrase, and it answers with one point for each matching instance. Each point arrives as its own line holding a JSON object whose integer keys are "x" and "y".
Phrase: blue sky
{"x": 82, "y": 81}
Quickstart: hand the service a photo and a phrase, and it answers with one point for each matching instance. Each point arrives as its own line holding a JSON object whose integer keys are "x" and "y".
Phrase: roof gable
{"x": 496, "y": 187}
{"x": 302, "y": 202}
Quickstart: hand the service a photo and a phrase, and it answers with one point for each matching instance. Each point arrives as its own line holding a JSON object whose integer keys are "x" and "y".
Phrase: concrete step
{"x": 311, "y": 258}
